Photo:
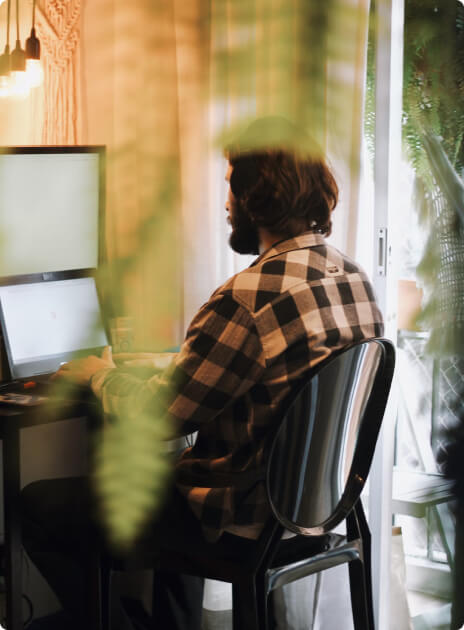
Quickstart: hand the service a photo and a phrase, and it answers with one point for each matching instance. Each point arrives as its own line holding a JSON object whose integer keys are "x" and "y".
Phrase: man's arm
{"x": 221, "y": 358}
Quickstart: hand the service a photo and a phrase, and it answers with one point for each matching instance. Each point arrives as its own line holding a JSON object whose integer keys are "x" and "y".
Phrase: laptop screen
{"x": 47, "y": 323}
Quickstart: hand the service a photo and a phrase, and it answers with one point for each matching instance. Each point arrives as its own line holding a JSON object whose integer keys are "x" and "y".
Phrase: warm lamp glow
{"x": 19, "y": 86}
{"x": 34, "y": 72}
{"x": 5, "y": 89}
{"x": 5, "y": 80}
{"x": 1, "y": 2}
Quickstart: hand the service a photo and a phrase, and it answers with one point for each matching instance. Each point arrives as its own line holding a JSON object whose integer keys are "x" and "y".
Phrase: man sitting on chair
{"x": 255, "y": 338}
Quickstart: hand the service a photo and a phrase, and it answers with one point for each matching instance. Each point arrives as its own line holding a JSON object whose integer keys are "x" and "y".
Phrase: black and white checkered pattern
{"x": 258, "y": 334}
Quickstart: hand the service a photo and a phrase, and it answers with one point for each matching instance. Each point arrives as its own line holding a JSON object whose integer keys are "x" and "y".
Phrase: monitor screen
{"x": 50, "y": 208}
{"x": 46, "y": 323}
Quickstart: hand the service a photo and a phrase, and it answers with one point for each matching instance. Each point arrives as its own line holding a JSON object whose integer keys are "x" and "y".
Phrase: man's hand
{"x": 80, "y": 371}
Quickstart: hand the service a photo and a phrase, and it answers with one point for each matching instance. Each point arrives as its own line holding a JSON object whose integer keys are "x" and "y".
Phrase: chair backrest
{"x": 322, "y": 452}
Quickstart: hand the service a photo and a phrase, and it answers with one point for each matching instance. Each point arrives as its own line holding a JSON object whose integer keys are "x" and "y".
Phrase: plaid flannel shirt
{"x": 259, "y": 333}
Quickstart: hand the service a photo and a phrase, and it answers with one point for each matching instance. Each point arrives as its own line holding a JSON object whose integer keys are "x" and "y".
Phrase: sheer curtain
{"x": 131, "y": 104}
{"x": 261, "y": 63}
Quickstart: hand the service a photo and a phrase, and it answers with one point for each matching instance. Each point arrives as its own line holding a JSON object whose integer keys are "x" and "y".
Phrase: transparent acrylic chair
{"x": 318, "y": 464}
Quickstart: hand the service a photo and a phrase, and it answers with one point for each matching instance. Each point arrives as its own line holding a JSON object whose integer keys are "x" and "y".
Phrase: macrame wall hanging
{"x": 58, "y": 28}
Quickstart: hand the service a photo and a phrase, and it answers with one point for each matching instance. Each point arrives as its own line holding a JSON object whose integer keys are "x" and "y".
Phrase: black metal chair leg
{"x": 262, "y": 602}
{"x": 360, "y": 570}
{"x": 93, "y": 588}
{"x": 358, "y": 592}
{"x": 244, "y": 606}
{"x": 365, "y": 538}
{"x": 366, "y": 552}
{"x": 106, "y": 575}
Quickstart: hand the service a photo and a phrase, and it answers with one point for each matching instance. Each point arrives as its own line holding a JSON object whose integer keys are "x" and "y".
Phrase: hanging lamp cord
{"x": 33, "y": 13}
{"x": 8, "y": 24}
{"x": 17, "y": 20}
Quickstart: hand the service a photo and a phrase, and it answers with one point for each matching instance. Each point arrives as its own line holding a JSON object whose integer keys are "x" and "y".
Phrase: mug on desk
{"x": 122, "y": 334}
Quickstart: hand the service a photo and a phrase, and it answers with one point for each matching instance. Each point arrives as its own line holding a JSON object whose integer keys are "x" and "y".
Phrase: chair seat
{"x": 230, "y": 556}
{"x": 230, "y": 553}
{"x": 217, "y": 561}
{"x": 293, "y": 549}
{"x": 235, "y": 556}
{"x": 334, "y": 551}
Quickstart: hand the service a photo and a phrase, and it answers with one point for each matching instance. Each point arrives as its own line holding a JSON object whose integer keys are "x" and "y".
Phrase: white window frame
{"x": 389, "y": 72}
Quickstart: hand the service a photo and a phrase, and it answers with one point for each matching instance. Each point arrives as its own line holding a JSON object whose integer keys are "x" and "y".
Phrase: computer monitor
{"x": 51, "y": 208}
{"x": 47, "y": 322}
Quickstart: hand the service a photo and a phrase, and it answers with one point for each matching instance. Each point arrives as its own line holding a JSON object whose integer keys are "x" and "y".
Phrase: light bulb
{"x": 19, "y": 86}
{"x": 5, "y": 87}
{"x": 34, "y": 72}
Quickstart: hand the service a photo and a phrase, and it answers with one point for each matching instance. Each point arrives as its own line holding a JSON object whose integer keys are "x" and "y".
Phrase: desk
{"x": 12, "y": 420}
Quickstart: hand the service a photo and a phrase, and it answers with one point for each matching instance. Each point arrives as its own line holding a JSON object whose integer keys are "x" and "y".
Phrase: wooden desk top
{"x": 52, "y": 410}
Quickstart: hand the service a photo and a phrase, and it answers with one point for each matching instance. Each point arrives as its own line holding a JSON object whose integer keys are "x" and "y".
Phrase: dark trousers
{"x": 59, "y": 531}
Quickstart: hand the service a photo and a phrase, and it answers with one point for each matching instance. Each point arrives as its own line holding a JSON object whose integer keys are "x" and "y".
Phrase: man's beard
{"x": 244, "y": 238}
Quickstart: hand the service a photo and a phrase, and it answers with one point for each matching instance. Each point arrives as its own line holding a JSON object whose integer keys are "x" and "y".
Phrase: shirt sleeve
{"x": 220, "y": 359}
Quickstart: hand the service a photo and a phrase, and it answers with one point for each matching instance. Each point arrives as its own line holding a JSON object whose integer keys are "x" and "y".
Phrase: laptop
{"x": 47, "y": 323}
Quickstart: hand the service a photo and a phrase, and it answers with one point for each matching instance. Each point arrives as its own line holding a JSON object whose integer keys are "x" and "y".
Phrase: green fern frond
{"x": 132, "y": 472}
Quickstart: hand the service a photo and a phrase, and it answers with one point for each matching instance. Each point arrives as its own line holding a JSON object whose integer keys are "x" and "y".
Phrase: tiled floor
{"x": 217, "y": 619}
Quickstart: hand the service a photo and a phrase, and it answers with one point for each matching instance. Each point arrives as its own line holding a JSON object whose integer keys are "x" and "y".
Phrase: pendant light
{"x": 19, "y": 85}
{"x": 34, "y": 69}
{"x": 5, "y": 77}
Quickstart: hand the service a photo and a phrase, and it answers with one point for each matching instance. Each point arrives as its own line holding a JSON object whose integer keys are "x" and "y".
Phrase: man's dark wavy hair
{"x": 281, "y": 179}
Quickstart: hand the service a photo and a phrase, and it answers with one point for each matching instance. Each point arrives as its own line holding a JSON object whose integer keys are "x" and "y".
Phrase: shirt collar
{"x": 302, "y": 241}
